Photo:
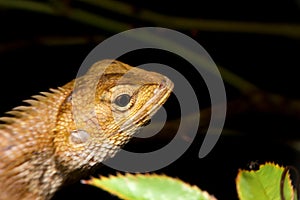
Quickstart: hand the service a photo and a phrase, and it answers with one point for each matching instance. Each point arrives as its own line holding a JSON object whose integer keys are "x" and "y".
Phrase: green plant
{"x": 269, "y": 182}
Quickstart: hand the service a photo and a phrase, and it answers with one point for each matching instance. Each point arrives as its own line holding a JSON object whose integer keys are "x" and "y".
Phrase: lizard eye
{"x": 122, "y": 97}
{"x": 122, "y": 100}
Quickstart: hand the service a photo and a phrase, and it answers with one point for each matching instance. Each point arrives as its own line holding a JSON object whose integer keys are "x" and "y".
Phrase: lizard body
{"x": 64, "y": 134}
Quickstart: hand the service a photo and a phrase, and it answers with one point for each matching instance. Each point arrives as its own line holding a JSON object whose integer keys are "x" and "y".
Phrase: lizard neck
{"x": 27, "y": 148}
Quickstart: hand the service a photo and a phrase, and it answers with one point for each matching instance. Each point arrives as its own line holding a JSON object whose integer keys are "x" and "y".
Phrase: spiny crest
{"x": 22, "y": 111}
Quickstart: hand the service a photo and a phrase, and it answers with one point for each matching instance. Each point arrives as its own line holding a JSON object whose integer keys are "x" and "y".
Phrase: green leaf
{"x": 149, "y": 187}
{"x": 264, "y": 184}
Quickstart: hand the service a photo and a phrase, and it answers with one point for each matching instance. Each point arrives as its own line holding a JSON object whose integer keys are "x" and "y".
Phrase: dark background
{"x": 40, "y": 51}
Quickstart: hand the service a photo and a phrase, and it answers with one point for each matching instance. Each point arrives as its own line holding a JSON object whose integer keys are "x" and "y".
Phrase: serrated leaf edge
{"x": 139, "y": 175}
{"x": 237, "y": 180}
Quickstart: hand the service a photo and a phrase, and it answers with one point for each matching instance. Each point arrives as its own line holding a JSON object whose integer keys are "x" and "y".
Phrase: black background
{"x": 271, "y": 62}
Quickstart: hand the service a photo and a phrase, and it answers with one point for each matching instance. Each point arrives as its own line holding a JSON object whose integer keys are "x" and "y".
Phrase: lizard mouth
{"x": 143, "y": 116}
{"x": 161, "y": 95}
{"x": 146, "y": 122}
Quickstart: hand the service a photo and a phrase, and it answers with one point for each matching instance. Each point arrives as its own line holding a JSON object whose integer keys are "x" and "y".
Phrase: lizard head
{"x": 107, "y": 106}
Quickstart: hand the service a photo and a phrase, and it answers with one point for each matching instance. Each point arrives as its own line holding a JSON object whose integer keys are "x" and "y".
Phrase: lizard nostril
{"x": 162, "y": 83}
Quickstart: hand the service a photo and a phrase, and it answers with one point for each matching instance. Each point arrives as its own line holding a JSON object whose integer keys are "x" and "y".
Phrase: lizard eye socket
{"x": 123, "y": 97}
{"x": 122, "y": 100}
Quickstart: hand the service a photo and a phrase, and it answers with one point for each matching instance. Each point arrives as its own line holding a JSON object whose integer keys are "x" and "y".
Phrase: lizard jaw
{"x": 143, "y": 118}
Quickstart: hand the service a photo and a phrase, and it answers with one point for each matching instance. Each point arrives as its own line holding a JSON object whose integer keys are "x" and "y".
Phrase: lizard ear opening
{"x": 79, "y": 137}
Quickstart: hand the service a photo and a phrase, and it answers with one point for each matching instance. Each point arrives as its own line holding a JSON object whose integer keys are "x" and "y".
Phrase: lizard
{"x": 65, "y": 133}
